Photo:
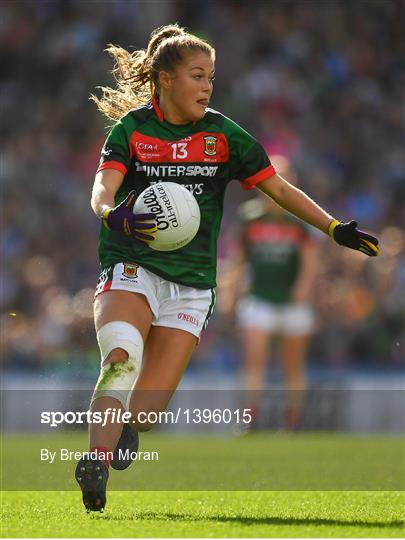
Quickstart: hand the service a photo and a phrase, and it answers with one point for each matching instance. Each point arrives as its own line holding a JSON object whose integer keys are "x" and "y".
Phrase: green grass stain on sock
{"x": 114, "y": 372}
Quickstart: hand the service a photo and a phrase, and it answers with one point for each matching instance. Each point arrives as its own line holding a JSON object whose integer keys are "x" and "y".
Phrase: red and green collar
{"x": 158, "y": 110}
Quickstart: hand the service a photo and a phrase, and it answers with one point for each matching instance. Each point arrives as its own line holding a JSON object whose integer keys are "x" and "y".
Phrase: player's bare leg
{"x": 166, "y": 356}
{"x": 92, "y": 474}
{"x": 116, "y": 306}
{"x": 167, "y": 353}
{"x": 293, "y": 352}
{"x": 255, "y": 342}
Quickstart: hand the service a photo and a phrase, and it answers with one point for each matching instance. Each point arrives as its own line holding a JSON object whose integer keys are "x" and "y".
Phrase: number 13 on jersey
{"x": 179, "y": 150}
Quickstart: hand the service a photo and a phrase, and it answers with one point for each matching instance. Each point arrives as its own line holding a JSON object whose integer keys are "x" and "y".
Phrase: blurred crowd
{"x": 320, "y": 82}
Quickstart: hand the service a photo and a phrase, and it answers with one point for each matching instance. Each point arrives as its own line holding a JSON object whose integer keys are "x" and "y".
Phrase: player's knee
{"x": 116, "y": 355}
{"x": 121, "y": 347}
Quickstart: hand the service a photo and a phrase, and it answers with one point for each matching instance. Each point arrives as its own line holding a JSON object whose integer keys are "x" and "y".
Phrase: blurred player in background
{"x": 150, "y": 307}
{"x": 280, "y": 255}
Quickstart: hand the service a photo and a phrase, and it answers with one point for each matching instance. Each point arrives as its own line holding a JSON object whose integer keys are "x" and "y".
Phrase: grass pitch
{"x": 206, "y": 514}
{"x": 354, "y": 488}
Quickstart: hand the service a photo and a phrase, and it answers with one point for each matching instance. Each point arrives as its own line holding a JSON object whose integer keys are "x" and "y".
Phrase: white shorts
{"x": 287, "y": 319}
{"x": 172, "y": 305}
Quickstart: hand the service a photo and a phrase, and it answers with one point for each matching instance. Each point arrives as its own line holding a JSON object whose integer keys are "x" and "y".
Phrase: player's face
{"x": 185, "y": 93}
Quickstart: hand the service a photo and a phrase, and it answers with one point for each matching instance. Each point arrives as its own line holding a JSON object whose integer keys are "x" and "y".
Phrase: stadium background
{"x": 319, "y": 82}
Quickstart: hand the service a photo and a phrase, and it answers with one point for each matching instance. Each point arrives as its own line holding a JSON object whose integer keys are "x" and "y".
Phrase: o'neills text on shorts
{"x": 188, "y": 318}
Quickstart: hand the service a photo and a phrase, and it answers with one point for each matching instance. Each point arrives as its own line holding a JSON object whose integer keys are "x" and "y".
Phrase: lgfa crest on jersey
{"x": 210, "y": 145}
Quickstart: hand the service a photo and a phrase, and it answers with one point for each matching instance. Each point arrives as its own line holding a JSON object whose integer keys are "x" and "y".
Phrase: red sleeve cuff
{"x": 252, "y": 181}
{"x": 116, "y": 165}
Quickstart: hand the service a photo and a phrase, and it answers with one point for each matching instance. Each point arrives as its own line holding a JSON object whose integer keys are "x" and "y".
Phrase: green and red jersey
{"x": 273, "y": 242}
{"x": 203, "y": 157}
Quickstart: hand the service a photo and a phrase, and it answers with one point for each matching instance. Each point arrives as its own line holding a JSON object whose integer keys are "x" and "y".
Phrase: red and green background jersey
{"x": 273, "y": 242}
{"x": 203, "y": 157}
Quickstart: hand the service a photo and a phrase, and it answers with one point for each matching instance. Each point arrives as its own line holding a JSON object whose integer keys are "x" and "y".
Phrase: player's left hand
{"x": 347, "y": 234}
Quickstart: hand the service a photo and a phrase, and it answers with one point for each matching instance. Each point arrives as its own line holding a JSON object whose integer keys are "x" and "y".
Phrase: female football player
{"x": 279, "y": 255}
{"x": 150, "y": 307}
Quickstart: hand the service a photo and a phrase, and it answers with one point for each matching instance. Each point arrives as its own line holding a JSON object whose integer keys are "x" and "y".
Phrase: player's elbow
{"x": 275, "y": 187}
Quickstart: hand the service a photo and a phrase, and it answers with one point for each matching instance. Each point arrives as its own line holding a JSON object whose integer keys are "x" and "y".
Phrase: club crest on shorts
{"x": 130, "y": 270}
{"x": 210, "y": 145}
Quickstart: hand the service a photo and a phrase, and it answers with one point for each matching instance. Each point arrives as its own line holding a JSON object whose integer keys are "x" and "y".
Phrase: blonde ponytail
{"x": 136, "y": 74}
{"x": 160, "y": 34}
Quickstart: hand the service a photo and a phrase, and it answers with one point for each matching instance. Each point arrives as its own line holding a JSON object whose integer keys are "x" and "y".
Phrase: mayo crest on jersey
{"x": 203, "y": 157}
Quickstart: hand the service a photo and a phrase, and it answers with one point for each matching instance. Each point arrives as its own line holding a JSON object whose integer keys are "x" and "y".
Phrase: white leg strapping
{"x": 116, "y": 380}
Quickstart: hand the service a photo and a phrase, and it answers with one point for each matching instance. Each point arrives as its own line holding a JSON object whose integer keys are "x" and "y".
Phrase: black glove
{"x": 347, "y": 234}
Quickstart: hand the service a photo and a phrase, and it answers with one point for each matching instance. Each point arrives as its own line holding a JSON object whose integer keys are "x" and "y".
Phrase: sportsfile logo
{"x": 177, "y": 170}
{"x": 111, "y": 415}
